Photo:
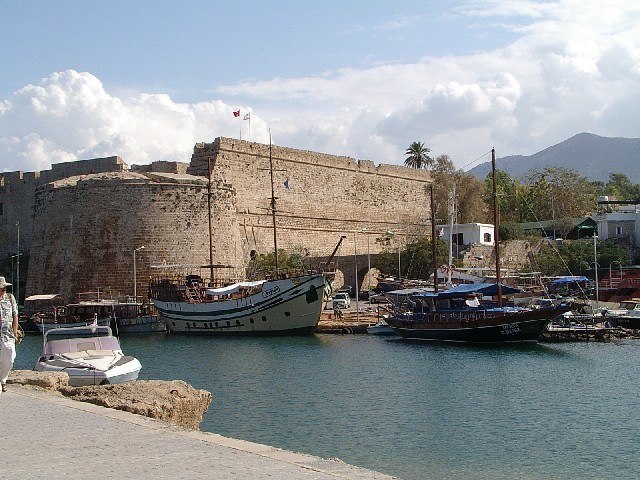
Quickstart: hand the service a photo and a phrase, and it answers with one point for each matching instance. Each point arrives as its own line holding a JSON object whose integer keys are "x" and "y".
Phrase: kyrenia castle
{"x": 77, "y": 225}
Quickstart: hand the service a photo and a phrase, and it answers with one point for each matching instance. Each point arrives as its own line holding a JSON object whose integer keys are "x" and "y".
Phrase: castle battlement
{"x": 81, "y": 221}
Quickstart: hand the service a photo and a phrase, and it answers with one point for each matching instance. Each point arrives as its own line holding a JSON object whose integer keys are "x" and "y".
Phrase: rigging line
{"x": 474, "y": 161}
{"x": 555, "y": 249}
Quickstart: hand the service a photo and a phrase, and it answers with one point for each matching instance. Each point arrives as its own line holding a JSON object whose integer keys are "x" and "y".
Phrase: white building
{"x": 468, "y": 233}
{"x": 622, "y": 222}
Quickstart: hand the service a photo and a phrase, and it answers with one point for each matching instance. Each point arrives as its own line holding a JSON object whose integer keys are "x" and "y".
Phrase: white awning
{"x": 44, "y": 296}
{"x": 233, "y": 288}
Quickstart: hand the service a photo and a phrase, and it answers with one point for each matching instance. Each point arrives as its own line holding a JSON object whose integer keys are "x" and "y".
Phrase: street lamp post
{"x": 391, "y": 234}
{"x": 17, "y": 255}
{"x": 368, "y": 261}
{"x": 595, "y": 262}
{"x": 18, "y": 266}
{"x": 399, "y": 276}
{"x": 135, "y": 276}
{"x": 355, "y": 262}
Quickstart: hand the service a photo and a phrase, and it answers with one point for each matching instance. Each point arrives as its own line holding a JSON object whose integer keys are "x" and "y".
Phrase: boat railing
{"x": 447, "y": 316}
{"x": 96, "y": 330}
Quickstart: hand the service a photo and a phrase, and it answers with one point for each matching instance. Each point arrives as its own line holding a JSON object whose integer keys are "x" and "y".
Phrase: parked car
{"x": 378, "y": 298}
{"x": 346, "y": 289}
{"x": 341, "y": 300}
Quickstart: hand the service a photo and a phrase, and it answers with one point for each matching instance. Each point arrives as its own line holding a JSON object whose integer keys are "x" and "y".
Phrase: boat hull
{"x": 381, "y": 328}
{"x": 126, "y": 370}
{"x": 632, "y": 323}
{"x": 524, "y": 327}
{"x": 145, "y": 324}
{"x": 283, "y": 307}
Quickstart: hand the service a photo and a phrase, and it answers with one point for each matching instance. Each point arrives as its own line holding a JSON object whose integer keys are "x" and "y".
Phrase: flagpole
{"x": 248, "y": 117}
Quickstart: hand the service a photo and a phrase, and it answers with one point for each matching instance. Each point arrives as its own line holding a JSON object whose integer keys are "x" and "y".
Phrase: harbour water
{"x": 414, "y": 410}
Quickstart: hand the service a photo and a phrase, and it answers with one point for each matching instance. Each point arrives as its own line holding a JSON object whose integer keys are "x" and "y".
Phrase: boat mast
{"x": 209, "y": 210}
{"x": 273, "y": 206}
{"x": 453, "y": 215}
{"x": 496, "y": 225}
{"x": 434, "y": 258}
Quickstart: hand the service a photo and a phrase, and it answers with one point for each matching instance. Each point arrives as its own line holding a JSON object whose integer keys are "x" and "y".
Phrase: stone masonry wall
{"x": 17, "y": 196}
{"x": 86, "y": 229}
{"x": 81, "y": 228}
{"x": 17, "y": 191}
{"x": 328, "y": 196}
{"x": 514, "y": 255}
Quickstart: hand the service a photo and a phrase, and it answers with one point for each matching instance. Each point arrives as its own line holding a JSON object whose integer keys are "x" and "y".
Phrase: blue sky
{"x": 146, "y": 80}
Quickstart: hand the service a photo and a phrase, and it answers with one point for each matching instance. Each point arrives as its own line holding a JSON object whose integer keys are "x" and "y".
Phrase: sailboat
{"x": 282, "y": 305}
{"x": 460, "y": 314}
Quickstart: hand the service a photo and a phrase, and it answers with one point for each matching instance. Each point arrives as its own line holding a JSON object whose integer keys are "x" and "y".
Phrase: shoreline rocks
{"x": 175, "y": 402}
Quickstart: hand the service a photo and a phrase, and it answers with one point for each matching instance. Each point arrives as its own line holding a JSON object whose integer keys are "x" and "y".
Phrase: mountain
{"x": 592, "y": 156}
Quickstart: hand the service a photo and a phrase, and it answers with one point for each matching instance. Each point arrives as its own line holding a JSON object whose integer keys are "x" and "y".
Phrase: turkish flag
{"x": 236, "y": 114}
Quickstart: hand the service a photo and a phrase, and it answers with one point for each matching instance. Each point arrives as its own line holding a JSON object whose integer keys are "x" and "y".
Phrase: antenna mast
{"x": 273, "y": 206}
{"x": 209, "y": 209}
{"x": 434, "y": 258}
{"x": 496, "y": 225}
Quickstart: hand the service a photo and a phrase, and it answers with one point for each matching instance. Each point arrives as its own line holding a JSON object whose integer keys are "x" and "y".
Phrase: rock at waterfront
{"x": 49, "y": 381}
{"x": 175, "y": 402}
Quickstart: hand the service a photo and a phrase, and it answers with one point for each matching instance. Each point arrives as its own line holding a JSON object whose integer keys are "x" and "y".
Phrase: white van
{"x": 341, "y": 300}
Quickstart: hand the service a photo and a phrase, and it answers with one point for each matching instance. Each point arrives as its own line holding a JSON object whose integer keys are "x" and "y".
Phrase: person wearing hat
{"x": 8, "y": 331}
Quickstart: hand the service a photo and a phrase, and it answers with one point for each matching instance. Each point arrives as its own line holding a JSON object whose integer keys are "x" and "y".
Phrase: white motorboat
{"x": 627, "y": 315}
{"x": 381, "y": 328}
{"x": 88, "y": 360}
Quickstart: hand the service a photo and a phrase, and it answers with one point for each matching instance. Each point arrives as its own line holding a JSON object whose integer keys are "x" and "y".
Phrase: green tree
{"x": 418, "y": 156}
{"x": 469, "y": 204}
{"x": 577, "y": 257}
{"x": 558, "y": 192}
{"x": 415, "y": 260}
{"x": 289, "y": 263}
{"x": 620, "y": 187}
{"x": 512, "y": 198}
{"x": 511, "y": 231}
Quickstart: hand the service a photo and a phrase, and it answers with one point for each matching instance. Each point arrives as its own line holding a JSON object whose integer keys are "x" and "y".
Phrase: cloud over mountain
{"x": 571, "y": 66}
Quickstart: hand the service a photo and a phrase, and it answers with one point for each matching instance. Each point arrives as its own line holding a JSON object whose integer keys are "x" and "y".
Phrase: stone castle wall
{"x": 327, "y": 196}
{"x": 17, "y": 197}
{"x": 17, "y": 192}
{"x": 86, "y": 229}
{"x": 82, "y": 224}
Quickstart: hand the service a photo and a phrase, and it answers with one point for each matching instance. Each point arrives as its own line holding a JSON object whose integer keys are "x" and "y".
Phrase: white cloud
{"x": 573, "y": 66}
{"x": 399, "y": 23}
{"x": 70, "y": 116}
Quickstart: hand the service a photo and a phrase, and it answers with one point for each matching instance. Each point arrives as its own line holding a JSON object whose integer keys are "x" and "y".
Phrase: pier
{"x": 49, "y": 436}
{"x": 348, "y": 321}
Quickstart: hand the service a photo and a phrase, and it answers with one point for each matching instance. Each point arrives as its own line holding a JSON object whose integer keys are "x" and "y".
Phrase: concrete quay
{"x": 49, "y": 436}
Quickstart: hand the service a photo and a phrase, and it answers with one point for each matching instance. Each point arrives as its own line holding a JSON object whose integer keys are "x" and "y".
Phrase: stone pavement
{"x": 48, "y": 436}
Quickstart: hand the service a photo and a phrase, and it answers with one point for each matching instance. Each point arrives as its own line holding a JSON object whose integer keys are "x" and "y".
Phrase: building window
{"x": 618, "y": 227}
{"x": 487, "y": 237}
{"x": 1, "y": 208}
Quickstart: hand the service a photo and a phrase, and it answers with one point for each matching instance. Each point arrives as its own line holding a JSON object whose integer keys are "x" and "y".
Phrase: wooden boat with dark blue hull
{"x": 461, "y": 314}
{"x": 457, "y": 315}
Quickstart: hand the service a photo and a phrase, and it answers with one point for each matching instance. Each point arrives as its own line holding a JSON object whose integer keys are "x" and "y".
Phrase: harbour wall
{"x": 80, "y": 227}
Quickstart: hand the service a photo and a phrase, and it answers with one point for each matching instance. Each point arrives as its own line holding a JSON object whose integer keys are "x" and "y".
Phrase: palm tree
{"x": 418, "y": 156}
